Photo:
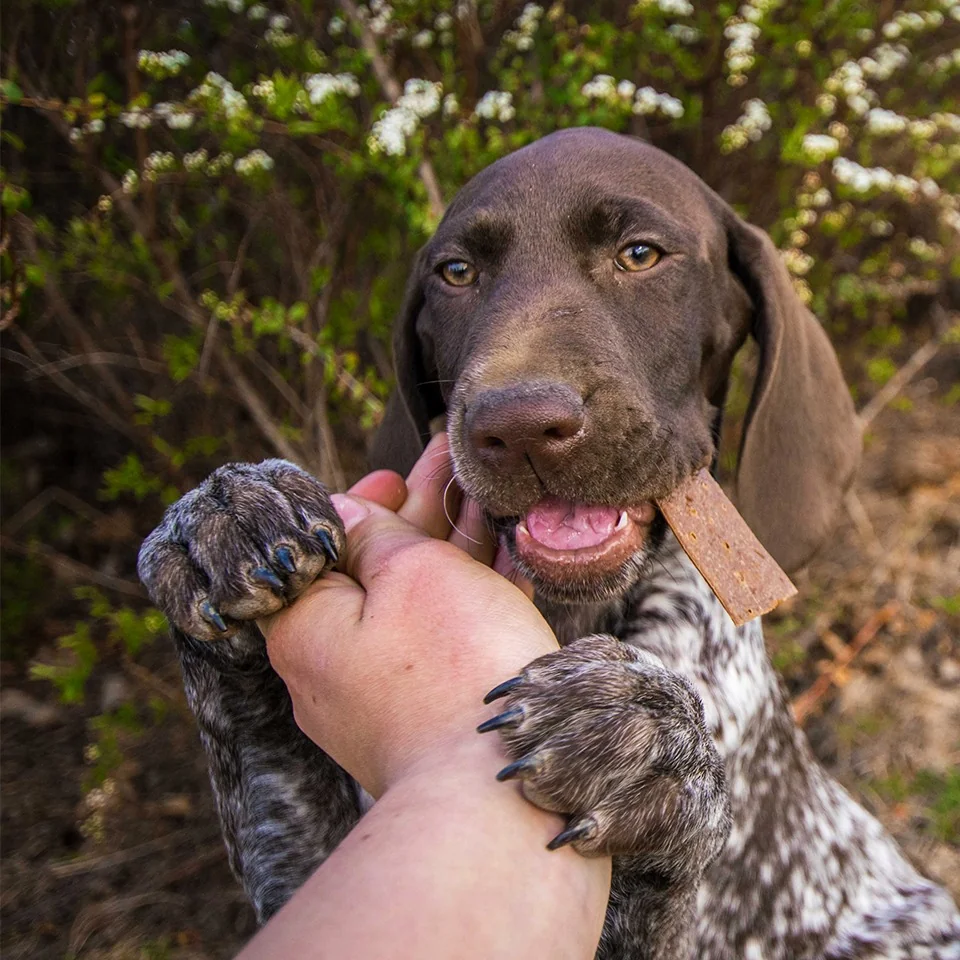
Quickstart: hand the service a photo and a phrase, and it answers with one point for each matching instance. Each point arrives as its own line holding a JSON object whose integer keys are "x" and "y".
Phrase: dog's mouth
{"x": 576, "y": 551}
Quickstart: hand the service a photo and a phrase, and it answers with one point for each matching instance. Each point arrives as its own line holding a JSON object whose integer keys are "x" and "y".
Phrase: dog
{"x": 574, "y": 320}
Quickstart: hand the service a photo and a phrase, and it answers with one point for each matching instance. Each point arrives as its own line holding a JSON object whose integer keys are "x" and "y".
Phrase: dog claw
{"x": 212, "y": 615}
{"x": 326, "y": 541}
{"x": 268, "y": 577}
{"x": 518, "y": 767}
{"x": 284, "y": 556}
{"x": 512, "y": 716}
{"x": 502, "y": 689}
{"x": 579, "y": 831}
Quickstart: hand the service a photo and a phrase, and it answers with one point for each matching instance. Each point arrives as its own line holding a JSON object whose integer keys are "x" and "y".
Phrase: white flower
{"x": 180, "y": 121}
{"x": 136, "y": 119}
{"x": 389, "y": 135}
{"x": 196, "y": 160}
{"x": 676, "y": 8}
{"x": 683, "y": 32}
{"x": 601, "y": 87}
{"x": 626, "y": 89}
{"x": 443, "y": 22}
{"x": 421, "y": 97}
{"x": 257, "y": 12}
{"x": 819, "y": 146}
{"x": 254, "y": 162}
{"x": 885, "y": 122}
{"x": 162, "y": 64}
{"x": 495, "y": 105}
{"x": 336, "y": 26}
{"x": 422, "y": 39}
{"x": 451, "y": 105}
{"x": 130, "y": 182}
{"x": 319, "y": 86}
{"x": 278, "y": 22}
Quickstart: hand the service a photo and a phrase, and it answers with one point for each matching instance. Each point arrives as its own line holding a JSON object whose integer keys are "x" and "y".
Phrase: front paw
{"x": 601, "y": 732}
{"x": 245, "y": 543}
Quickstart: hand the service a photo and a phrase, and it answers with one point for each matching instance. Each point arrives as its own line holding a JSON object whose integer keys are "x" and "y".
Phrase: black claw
{"x": 502, "y": 689}
{"x": 512, "y": 716}
{"x": 284, "y": 556}
{"x": 267, "y": 576}
{"x": 326, "y": 541}
{"x": 212, "y": 615}
{"x": 518, "y": 767}
{"x": 579, "y": 831}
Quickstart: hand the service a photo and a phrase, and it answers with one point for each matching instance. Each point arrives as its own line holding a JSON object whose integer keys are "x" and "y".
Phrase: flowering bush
{"x": 209, "y": 209}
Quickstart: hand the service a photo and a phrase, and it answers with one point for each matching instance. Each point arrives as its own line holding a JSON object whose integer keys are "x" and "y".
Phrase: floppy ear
{"x": 405, "y": 428}
{"x": 801, "y": 440}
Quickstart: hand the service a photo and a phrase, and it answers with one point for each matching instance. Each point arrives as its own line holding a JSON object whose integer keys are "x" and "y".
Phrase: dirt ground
{"x": 870, "y": 650}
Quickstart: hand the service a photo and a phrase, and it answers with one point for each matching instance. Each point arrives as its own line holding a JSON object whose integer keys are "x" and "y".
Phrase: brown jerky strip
{"x": 745, "y": 578}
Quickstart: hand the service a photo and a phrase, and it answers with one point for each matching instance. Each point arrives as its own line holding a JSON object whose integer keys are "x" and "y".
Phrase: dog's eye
{"x": 458, "y": 273}
{"x": 638, "y": 256}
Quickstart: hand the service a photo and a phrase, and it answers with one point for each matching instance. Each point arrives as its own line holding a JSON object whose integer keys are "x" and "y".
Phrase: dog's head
{"x": 575, "y": 318}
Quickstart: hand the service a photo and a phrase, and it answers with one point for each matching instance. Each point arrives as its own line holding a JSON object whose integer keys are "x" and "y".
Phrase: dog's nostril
{"x": 525, "y": 420}
{"x": 561, "y": 432}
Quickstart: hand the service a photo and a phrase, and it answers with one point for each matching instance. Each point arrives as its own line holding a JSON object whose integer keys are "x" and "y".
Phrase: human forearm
{"x": 448, "y": 863}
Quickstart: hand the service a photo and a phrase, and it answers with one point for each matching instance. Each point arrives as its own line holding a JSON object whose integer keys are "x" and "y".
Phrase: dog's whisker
{"x": 446, "y": 513}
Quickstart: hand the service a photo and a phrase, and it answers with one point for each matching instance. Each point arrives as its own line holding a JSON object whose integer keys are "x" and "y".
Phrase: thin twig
{"x": 42, "y": 500}
{"x": 897, "y": 382}
{"x": 101, "y": 358}
{"x": 107, "y": 861}
{"x": 81, "y": 396}
{"x": 73, "y": 568}
{"x": 808, "y": 701}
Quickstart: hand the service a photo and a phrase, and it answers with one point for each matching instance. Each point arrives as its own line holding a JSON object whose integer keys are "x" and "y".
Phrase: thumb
{"x": 375, "y": 535}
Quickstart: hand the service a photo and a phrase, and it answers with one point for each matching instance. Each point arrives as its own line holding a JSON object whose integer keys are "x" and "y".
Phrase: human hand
{"x": 388, "y": 662}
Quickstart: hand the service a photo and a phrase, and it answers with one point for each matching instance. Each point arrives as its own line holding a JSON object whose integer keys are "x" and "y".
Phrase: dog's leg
{"x": 284, "y": 805}
{"x": 602, "y": 733}
{"x": 242, "y": 545}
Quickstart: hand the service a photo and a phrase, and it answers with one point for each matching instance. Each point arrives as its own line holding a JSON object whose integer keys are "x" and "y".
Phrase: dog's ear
{"x": 801, "y": 440}
{"x": 416, "y": 400}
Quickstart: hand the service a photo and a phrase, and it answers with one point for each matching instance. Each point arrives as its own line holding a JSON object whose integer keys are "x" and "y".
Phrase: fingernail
{"x": 351, "y": 511}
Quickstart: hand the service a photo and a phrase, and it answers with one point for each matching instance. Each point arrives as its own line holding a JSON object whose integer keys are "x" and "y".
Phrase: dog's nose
{"x": 543, "y": 421}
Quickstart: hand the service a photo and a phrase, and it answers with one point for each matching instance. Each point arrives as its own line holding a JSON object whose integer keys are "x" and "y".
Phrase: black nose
{"x": 542, "y": 421}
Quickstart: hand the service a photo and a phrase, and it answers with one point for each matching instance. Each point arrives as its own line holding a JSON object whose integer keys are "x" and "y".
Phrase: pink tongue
{"x": 564, "y": 525}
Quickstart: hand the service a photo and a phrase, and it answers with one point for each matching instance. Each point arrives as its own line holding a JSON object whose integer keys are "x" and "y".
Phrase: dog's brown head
{"x": 575, "y": 317}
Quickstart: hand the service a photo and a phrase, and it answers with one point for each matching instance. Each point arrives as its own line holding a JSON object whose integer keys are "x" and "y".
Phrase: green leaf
{"x": 10, "y": 91}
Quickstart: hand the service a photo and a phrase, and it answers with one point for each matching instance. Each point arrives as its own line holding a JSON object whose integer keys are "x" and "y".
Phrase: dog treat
{"x": 744, "y": 577}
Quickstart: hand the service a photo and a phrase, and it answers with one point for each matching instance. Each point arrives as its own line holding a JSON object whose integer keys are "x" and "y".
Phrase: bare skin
{"x": 387, "y": 665}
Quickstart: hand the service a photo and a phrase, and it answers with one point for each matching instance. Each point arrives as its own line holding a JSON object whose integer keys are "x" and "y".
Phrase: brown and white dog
{"x": 574, "y": 320}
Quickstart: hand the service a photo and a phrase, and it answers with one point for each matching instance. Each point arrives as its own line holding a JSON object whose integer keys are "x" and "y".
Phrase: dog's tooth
{"x": 622, "y": 522}
{"x": 522, "y": 527}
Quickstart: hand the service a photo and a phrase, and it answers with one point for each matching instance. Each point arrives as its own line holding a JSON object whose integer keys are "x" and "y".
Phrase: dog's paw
{"x": 242, "y": 545}
{"x": 602, "y": 733}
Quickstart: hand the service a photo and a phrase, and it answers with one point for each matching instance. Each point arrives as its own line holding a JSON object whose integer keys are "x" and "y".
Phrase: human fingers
{"x": 375, "y": 536}
{"x": 472, "y": 534}
{"x": 432, "y": 500}
{"x": 382, "y": 486}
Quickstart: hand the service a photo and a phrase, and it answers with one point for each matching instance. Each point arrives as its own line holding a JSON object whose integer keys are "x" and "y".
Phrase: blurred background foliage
{"x": 209, "y": 210}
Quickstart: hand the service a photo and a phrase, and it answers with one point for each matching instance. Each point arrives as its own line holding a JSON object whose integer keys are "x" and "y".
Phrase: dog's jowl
{"x": 574, "y": 320}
